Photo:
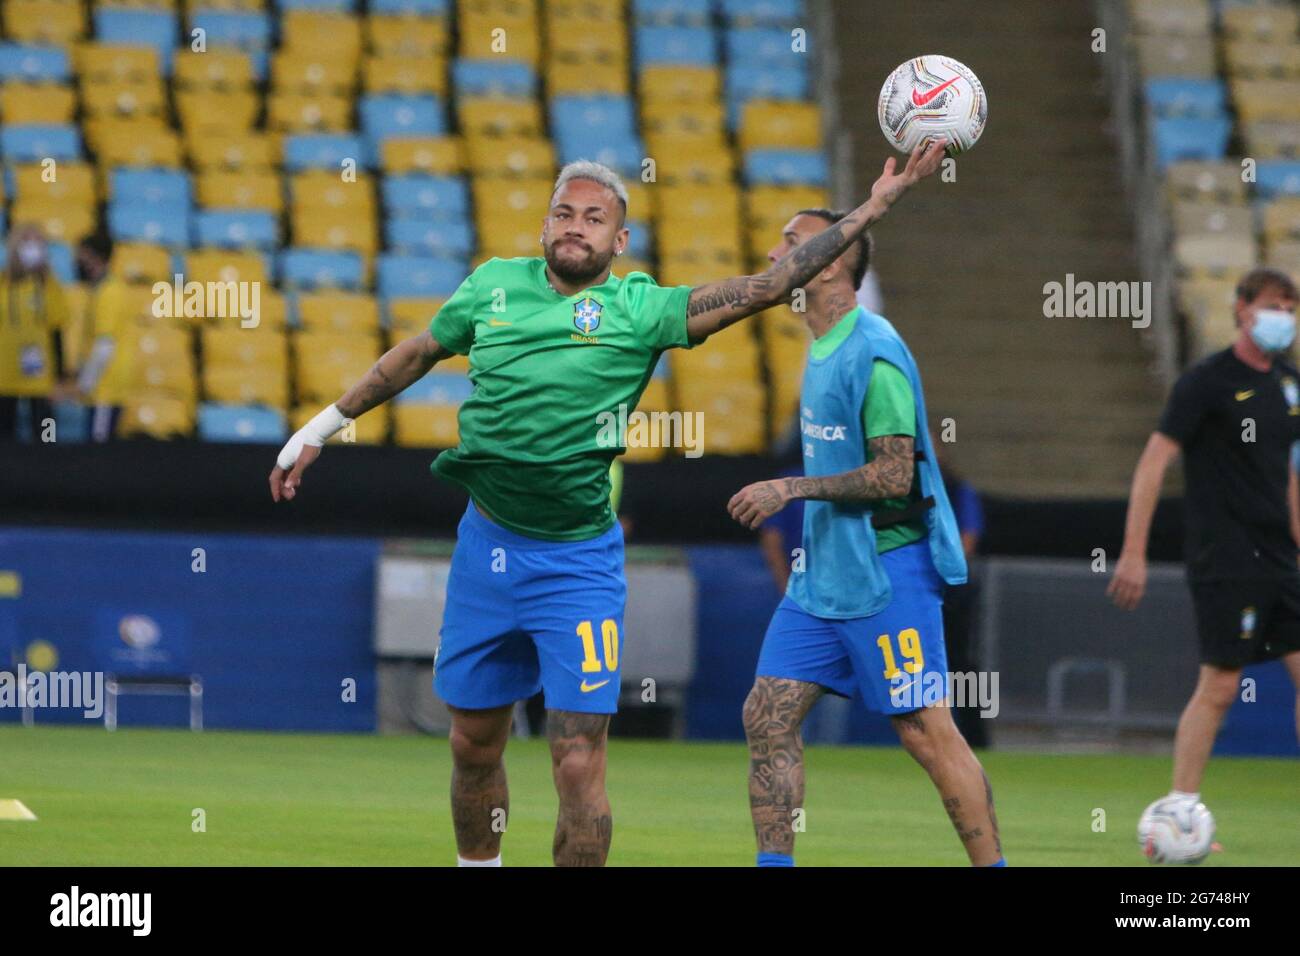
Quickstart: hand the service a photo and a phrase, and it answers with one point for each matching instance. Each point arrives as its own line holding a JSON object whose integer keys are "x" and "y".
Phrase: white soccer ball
{"x": 1175, "y": 830}
{"x": 932, "y": 96}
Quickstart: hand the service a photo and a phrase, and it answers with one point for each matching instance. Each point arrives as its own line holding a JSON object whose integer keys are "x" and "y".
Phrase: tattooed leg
{"x": 585, "y": 826}
{"x": 480, "y": 802}
{"x": 932, "y": 738}
{"x": 774, "y": 710}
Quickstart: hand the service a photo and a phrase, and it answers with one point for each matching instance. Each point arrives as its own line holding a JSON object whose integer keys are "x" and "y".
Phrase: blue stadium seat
{"x": 1177, "y": 96}
{"x": 247, "y": 30}
{"x": 663, "y": 367}
{"x": 325, "y": 6}
{"x": 421, "y": 8}
{"x": 411, "y": 277}
{"x": 391, "y": 115}
{"x": 784, "y": 167}
{"x": 764, "y": 12}
{"x": 442, "y": 388}
{"x": 622, "y": 154}
{"x": 241, "y": 423}
{"x": 453, "y": 239}
{"x": 166, "y": 224}
{"x": 640, "y": 239}
{"x": 323, "y": 150}
{"x": 1278, "y": 178}
{"x": 587, "y": 115}
{"x": 236, "y": 229}
{"x": 1177, "y": 139}
{"x": 314, "y": 268}
{"x": 689, "y": 46}
{"x": 33, "y": 64}
{"x": 61, "y": 263}
{"x": 149, "y": 186}
{"x": 683, "y": 13}
{"x": 156, "y": 28}
{"x": 494, "y": 78}
{"x": 34, "y": 142}
{"x": 425, "y": 197}
{"x": 767, "y": 46}
{"x": 747, "y": 81}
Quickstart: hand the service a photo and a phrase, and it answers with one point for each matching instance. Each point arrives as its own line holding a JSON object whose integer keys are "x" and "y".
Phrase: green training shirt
{"x": 548, "y": 372}
{"x": 889, "y": 409}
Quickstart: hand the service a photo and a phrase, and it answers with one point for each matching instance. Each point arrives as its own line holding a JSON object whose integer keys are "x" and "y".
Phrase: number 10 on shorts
{"x": 591, "y": 664}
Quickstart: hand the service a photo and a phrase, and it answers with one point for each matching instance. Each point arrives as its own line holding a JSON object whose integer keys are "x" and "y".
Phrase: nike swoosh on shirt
{"x": 899, "y": 690}
{"x": 588, "y": 688}
{"x": 498, "y": 322}
{"x": 921, "y": 99}
{"x": 1242, "y": 396}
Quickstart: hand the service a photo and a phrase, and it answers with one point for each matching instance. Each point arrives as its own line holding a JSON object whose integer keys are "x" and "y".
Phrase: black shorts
{"x": 1247, "y": 620}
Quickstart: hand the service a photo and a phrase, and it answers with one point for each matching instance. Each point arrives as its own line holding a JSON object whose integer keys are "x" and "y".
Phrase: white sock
{"x": 1193, "y": 797}
{"x": 495, "y": 861}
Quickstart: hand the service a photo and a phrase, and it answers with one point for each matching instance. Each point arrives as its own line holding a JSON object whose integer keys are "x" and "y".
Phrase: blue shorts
{"x": 524, "y": 615}
{"x": 895, "y": 658}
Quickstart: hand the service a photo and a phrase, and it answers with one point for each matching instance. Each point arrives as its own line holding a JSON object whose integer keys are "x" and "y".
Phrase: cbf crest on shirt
{"x": 586, "y": 315}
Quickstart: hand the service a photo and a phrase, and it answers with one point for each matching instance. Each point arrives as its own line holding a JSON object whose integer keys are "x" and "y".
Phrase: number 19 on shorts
{"x": 591, "y": 663}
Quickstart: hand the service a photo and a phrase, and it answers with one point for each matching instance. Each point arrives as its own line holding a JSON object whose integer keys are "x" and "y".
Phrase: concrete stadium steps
{"x": 1046, "y": 407}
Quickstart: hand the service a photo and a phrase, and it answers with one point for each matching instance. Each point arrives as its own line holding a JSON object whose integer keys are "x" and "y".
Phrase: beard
{"x": 574, "y": 261}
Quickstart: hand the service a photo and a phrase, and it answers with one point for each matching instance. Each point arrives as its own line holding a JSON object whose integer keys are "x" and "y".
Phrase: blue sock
{"x": 1002, "y": 861}
{"x": 775, "y": 859}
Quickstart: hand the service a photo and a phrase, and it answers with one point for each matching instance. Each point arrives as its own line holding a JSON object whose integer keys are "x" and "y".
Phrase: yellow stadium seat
{"x": 308, "y": 112}
{"x": 296, "y": 70}
{"x": 1266, "y": 99}
{"x": 407, "y": 317}
{"x": 224, "y": 265}
{"x": 319, "y": 33}
{"x": 235, "y": 346}
{"x": 43, "y": 22}
{"x": 370, "y": 429}
{"x": 499, "y": 35}
{"x": 1204, "y": 297}
{"x": 407, "y": 35}
{"x": 1214, "y": 256}
{"x": 404, "y": 73}
{"x": 677, "y": 271}
{"x": 1281, "y": 219}
{"x": 780, "y": 124}
{"x": 1176, "y": 56}
{"x": 217, "y": 68}
{"x": 690, "y": 201}
{"x": 1195, "y": 216}
{"x": 62, "y": 220}
{"x": 492, "y": 116}
{"x": 327, "y": 364}
{"x": 606, "y": 48}
{"x": 772, "y": 206}
{"x": 72, "y": 181}
{"x": 680, "y": 161}
{"x": 424, "y": 425}
{"x": 503, "y": 196}
{"x": 585, "y": 79}
{"x": 1260, "y": 22}
{"x": 1206, "y": 179}
{"x": 140, "y": 262}
{"x": 607, "y": 12}
{"x": 134, "y": 142}
{"x": 246, "y": 366}
{"x": 245, "y": 189}
{"x": 696, "y": 84}
{"x": 204, "y": 112}
{"x": 248, "y": 6}
{"x": 320, "y": 190}
{"x": 1272, "y": 139}
{"x": 626, "y": 265}
{"x": 512, "y": 157}
{"x": 334, "y": 229}
{"x": 438, "y": 156}
{"x": 230, "y": 149}
{"x": 1255, "y": 60}
{"x": 107, "y": 62}
{"x": 1172, "y": 17}
{"x": 156, "y": 416}
{"x": 733, "y": 414}
{"x": 336, "y": 311}
{"x": 163, "y": 361}
{"x": 37, "y": 103}
{"x": 1285, "y": 255}
{"x": 118, "y": 98}
{"x": 671, "y": 118}
{"x": 246, "y": 385}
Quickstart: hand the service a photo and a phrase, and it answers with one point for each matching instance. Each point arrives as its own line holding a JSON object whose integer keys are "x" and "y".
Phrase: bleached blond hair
{"x": 596, "y": 173}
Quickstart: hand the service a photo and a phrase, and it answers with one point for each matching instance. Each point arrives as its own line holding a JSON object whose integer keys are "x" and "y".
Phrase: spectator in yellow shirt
{"x": 105, "y": 363}
{"x": 32, "y": 316}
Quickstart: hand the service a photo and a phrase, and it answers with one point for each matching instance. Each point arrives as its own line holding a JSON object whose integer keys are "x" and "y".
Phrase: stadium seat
{"x": 47, "y": 104}
{"x": 43, "y": 22}
{"x": 405, "y": 74}
{"x": 1260, "y": 22}
{"x": 1176, "y": 56}
{"x": 685, "y": 13}
{"x": 405, "y": 276}
{"x": 434, "y": 155}
{"x": 158, "y": 416}
{"x": 675, "y": 45}
{"x": 1205, "y": 179}
{"x": 1172, "y": 96}
{"x": 217, "y": 68}
{"x": 312, "y": 268}
{"x": 235, "y": 229}
{"x": 397, "y": 35}
{"x": 244, "y": 189}
{"x": 335, "y": 311}
{"x": 34, "y": 64}
{"x": 425, "y": 197}
{"x": 1277, "y": 178}
{"x": 503, "y": 78}
{"x": 1172, "y": 17}
{"x": 452, "y": 240}
{"x": 1213, "y": 255}
{"x": 323, "y": 150}
{"x": 1198, "y": 217}
{"x": 439, "y": 388}
{"x": 241, "y": 423}
{"x": 422, "y": 425}
{"x": 785, "y": 167}
{"x": 140, "y": 262}
{"x": 772, "y": 13}
{"x": 161, "y": 223}
{"x": 155, "y": 28}
{"x": 37, "y": 142}
{"x": 1180, "y": 139}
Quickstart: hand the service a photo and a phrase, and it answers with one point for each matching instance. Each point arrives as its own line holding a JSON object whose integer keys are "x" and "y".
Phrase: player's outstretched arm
{"x": 404, "y": 363}
{"x": 887, "y": 475}
{"x": 715, "y": 306}
{"x": 1129, "y": 581}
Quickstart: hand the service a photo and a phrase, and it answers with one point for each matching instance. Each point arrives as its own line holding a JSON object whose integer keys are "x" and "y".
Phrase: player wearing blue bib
{"x": 864, "y": 606}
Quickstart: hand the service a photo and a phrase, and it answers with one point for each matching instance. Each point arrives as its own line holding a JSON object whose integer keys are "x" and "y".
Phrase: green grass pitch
{"x": 128, "y": 798}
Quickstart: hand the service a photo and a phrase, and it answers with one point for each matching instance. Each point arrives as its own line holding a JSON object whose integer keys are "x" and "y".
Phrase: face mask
{"x": 1274, "y": 330}
{"x": 31, "y": 255}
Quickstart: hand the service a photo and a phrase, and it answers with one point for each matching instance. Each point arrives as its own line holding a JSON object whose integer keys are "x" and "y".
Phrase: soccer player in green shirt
{"x": 536, "y": 592}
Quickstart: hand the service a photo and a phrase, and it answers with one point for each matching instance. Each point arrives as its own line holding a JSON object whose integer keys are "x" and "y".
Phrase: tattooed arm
{"x": 713, "y": 307}
{"x": 402, "y": 365}
{"x": 887, "y": 475}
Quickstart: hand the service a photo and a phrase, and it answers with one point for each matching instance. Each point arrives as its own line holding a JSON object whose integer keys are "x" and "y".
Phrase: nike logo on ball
{"x": 920, "y": 99}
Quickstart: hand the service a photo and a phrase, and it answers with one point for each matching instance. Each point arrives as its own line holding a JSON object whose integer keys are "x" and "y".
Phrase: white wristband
{"x": 316, "y": 433}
